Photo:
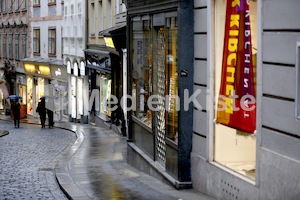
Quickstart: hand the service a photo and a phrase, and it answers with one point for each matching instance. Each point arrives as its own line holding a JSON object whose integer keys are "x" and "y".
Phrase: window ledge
{"x": 36, "y": 6}
{"x": 52, "y": 55}
{"x": 52, "y": 4}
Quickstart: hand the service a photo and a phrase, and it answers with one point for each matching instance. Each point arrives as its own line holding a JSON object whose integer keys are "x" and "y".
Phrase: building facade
{"x": 103, "y": 58}
{"x": 228, "y": 163}
{"x": 160, "y": 68}
{"x": 14, "y": 39}
{"x": 45, "y": 74}
{"x": 74, "y": 42}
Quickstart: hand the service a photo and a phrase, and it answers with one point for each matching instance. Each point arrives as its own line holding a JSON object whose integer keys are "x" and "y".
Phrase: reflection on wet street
{"x": 99, "y": 168}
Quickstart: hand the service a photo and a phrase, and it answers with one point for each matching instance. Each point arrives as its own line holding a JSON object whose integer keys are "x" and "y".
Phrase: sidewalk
{"x": 95, "y": 167}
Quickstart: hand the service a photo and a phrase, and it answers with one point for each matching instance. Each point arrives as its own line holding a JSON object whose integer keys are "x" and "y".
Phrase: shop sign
{"x": 237, "y": 90}
{"x": 58, "y": 72}
{"x": 109, "y": 42}
{"x": 30, "y": 68}
{"x": 45, "y": 70}
{"x": 21, "y": 80}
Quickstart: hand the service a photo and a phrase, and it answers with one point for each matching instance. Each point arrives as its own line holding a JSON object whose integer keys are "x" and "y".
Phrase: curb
{"x": 64, "y": 180}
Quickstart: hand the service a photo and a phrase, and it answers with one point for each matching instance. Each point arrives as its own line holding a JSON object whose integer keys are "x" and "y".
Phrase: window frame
{"x": 24, "y": 43}
{"x": 52, "y": 42}
{"x": 4, "y": 45}
{"x": 36, "y": 41}
{"x": 11, "y": 45}
{"x": 17, "y": 6}
{"x": 17, "y": 45}
{"x": 51, "y": 2}
{"x": 36, "y": 3}
{"x": 3, "y": 6}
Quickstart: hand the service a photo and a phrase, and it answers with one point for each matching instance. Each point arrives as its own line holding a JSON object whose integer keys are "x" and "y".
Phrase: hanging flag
{"x": 236, "y": 102}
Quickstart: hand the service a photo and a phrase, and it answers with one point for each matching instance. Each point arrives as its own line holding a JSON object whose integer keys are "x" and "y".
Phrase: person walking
{"x": 16, "y": 112}
{"x": 41, "y": 109}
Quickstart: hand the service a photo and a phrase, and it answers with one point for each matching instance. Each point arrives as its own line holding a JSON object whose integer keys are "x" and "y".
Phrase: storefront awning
{"x": 43, "y": 60}
{"x": 100, "y": 58}
{"x": 113, "y": 30}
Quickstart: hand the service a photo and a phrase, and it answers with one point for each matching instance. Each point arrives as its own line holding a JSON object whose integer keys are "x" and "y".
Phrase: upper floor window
{"x": 17, "y": 5}
{"x": 24, "y": 4}
{"x": 72, "y": 9}
{"x": 52, "y": 41}
{"x": 36, "y": 41}
{"x": 3, "y": 6}
{"x": 17, "y": 44}
{"x": 10, "y": 4}
{"x": 24, "y": 42}
{"x": 51, "y": 1}
{"x": 11, "y": 48}
{"x": 4, "y": 45}
{"x": 79, "y": 8}
{"x": 36, "y": 2}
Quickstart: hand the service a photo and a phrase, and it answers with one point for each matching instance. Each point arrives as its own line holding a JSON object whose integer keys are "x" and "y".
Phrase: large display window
{"x": 73, "y": 97}
{"x": 22, "y": 93}
{"x": 103, "y": 84}
{"x": 39, "y": 89}
{"x": 154, "y": 71}
{"x": 29, "y": 95}
{"x": 233, "y": 148}
{"x": 155, "y": 76}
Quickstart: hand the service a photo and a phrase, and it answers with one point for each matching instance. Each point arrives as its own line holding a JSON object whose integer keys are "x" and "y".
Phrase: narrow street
{"x": 88, "y": 164}
{"x": 28, "y": 155}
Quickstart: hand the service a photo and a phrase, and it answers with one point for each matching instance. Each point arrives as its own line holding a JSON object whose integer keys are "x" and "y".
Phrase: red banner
{"x": 237, "y": 99}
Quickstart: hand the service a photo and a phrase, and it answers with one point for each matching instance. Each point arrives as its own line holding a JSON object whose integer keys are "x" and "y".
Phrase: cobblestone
{"x": 28, "y": 156}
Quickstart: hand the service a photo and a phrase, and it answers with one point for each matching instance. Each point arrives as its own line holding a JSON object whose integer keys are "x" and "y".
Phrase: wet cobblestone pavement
{"x": 27, "y": 159}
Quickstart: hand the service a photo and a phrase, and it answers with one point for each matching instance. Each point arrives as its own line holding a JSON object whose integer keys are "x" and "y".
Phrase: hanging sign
{"x": 236, "y": 102}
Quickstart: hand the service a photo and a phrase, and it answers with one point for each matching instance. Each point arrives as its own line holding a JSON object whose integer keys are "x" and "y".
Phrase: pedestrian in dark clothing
{"x": 50, "y": 118}
{"x": 41, "y": 109}
{"x": 16, "y": 112}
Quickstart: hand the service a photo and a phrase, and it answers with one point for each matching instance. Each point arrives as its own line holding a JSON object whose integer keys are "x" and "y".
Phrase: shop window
{"x": 39, "y": 89}
{"x": 29, "y": 95}
{"x": 36, "y": 41}
{"x": 142, "y": 68}
{"x": 233, "y": 148}
{"x": 155, "y": 76}
{"x": 103, "y": 84}
{"x": 52, "y": 42}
